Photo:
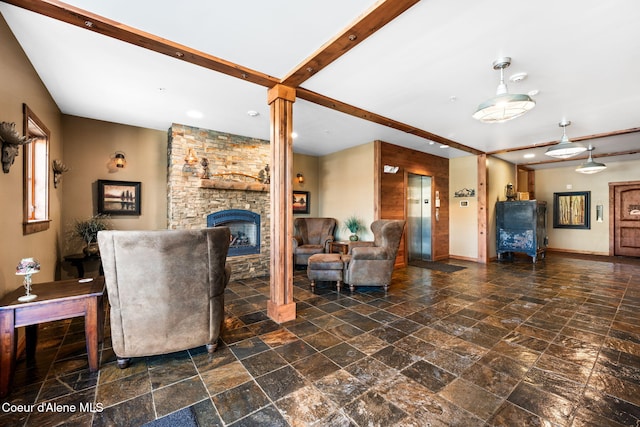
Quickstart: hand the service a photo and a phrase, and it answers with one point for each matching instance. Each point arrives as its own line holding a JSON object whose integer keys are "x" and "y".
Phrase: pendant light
{"x": 590, "y": 166}
{"x": 565, "y": 148}
{"x": 504, "y": 106}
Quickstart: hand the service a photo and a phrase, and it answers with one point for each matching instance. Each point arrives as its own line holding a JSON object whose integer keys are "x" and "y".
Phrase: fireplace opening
{"x": 245, "y": 230}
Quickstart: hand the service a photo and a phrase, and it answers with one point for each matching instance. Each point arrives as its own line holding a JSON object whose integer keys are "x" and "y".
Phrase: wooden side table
{"x": 78, "y": 260}
{"x": 339, "y": 247}
{"x": 56, "y": 301}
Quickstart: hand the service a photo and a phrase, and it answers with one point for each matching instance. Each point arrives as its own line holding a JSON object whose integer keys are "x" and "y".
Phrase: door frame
{"x": 612, "y": 211}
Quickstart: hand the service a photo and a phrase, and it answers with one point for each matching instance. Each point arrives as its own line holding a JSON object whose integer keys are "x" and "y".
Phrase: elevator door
{"x": 419, "y": 217}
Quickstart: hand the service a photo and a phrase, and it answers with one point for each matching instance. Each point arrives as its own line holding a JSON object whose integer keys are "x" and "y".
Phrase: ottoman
{"x": 326, "y": 268}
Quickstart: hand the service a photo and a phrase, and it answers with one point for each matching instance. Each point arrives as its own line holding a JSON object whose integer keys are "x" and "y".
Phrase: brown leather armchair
{"x": 165, "y": 288}
{"x": 311, "y": 236}
{"x": 371, "y": 263}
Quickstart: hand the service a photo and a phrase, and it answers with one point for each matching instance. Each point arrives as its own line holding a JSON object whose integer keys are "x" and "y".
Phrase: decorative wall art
{"x": 118, "y": 197}
{"x": 300, "y": 202}
{"x": 465, "y": 192}
{"x": 571, "y": 210}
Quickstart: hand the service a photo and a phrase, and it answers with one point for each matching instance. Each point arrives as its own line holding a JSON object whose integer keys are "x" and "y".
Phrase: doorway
{"x": 625, "y": 215}
{"x": 419, "y": 207}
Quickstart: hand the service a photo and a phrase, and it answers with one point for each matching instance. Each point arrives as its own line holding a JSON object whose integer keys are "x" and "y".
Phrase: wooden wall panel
{"x": 393, "y": 192}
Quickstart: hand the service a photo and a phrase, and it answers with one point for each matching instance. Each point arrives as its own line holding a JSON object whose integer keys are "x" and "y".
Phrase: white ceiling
{"x": 429, "y": 68}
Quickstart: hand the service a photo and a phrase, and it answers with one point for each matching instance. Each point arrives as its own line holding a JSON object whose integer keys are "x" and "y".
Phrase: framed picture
{"x": 300, "y": 202}
{"x": 571, "y": 210}
{"x": 118, "y": 197}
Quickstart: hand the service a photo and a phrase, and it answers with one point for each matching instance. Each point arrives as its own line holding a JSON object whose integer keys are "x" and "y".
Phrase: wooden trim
{"x": 483, "y": 238}
{"x": 281, "y": 306}
{"x": 573, "y": 139}
{"x": 366, "y": 26}
{"x": 371, "y": 21}
{"x": 233, "y": 185}
{"x": 377, "y": 179}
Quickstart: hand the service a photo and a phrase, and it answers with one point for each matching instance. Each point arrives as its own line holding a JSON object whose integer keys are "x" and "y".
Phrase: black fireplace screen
{"x": 245, "y": 230}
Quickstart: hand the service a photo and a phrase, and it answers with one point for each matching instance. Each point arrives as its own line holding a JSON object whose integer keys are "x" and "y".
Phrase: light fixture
{"x": 26, "y": 268}
{"x": 119, "y": 160}
{"x": 565, "y": 148}
{"x": 191, "y": 158}
{"x": 300, "y": 178}
{"x": 58, "y": 169}
{"x": 190, "y": 161}
{"x": 504, "y": 106}
{"x": 590, "y": 166}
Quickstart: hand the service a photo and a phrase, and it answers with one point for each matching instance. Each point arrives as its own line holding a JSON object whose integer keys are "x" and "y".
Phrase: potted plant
{"x": 353, "y": 224}
{"x": 87, "y": 231}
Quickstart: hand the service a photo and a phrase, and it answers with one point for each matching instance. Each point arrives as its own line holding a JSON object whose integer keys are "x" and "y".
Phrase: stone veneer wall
{"x": 189, "y": 203}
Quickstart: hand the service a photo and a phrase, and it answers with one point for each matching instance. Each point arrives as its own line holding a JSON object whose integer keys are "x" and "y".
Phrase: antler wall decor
{"x": 11, "y": 141}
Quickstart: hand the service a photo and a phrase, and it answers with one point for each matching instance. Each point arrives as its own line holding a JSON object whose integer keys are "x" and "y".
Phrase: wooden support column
{"x": 280, "y": 306}
{"x": 483, "y": 213}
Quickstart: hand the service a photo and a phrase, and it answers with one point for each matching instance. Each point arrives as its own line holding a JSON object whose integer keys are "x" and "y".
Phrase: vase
{"x": 353, "y": 237}
{"x": 91, "y": 249}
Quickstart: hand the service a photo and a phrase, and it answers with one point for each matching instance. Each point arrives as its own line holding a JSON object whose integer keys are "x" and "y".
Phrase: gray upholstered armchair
{"x": 165, "y": 288}
{"x": 311, "y": 236}
{"x": 371, "y": 263}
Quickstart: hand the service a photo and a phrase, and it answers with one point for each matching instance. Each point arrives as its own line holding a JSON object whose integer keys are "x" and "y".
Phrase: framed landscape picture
{"x": 300, "y": 202}
{"x": 571, "y": 210}
{"x": 118, "y": 197}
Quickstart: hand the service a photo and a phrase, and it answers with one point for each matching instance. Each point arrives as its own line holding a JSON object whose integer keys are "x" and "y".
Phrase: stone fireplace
{"x": 192, "y": 199}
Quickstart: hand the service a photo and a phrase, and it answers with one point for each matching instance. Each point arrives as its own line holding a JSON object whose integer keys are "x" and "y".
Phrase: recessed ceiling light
{"x": 253, "y": 113}
{"x": 431, "y": 142}
{"x": 444, "y": 146}
{"x": 294, "y": 135}
{"x": 533, "y": 92}
{"x": 529, "y": 156}
{"x": 194, "y": 114}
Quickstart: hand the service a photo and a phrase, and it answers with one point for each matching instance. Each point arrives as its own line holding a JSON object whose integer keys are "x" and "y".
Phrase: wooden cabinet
{"x": 521, "y": 227}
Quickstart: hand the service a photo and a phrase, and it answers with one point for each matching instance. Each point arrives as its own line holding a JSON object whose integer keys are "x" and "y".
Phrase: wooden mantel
{"x": 233, "y": 185}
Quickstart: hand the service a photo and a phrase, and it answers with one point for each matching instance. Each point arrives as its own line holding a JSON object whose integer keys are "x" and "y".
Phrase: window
{"x": 36, "y": 174}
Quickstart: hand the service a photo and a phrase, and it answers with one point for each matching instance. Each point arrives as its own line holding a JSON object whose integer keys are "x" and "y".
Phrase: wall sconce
{"x": 599, "y": 213}
{"x": 190, "y": 162}
{"x": 58, "y": 169}
{"x": 119, "y": 160}
{"x": 300, "y": 178}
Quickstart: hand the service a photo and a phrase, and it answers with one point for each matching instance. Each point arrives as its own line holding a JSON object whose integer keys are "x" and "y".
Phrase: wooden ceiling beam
{"x": 334, "y": 104}
{"x": 581, "y": 157}
{"x": 573, "y": 139}
{"x": 371, "y": 21}
{"x": 98, "y": 24}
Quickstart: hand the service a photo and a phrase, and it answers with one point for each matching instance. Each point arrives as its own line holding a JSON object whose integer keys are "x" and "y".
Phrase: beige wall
{"x": 346, "y": 186}
{"x": 463, "y": 221}
{"x": 20, "y": 84}
{"x": 308, "y": 167}
{"x": 557, "y": 180}
{"x": 88, "y": 146}
{"x": 500, "y": 173}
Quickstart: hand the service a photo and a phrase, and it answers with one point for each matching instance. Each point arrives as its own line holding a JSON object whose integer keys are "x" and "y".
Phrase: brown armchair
{"x": 165, "y": 288}
{"x": 311, "y": 236}
{"x": 371, "y": 263}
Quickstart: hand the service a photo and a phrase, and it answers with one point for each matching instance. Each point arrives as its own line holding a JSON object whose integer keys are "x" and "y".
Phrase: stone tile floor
{"x": 504, "y": 344}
